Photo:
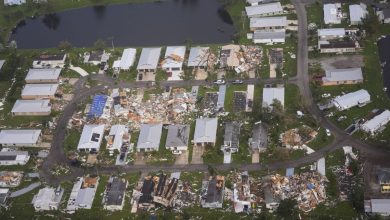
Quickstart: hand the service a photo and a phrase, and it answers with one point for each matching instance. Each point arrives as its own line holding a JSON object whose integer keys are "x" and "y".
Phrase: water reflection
{"x": 51, "y": 21}
{"x": 100, "y": 11}
{"x": 143, "y": 24}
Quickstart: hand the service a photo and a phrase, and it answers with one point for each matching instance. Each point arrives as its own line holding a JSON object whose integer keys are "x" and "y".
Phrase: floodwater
{"x": 171, "y": 22}
{"x": 384, "y": 55}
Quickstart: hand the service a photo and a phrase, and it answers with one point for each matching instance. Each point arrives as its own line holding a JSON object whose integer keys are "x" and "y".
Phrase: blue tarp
{"x": 289, "y": 172}
{"x": 310, "y": 186}
{"x": 97, "y": 106}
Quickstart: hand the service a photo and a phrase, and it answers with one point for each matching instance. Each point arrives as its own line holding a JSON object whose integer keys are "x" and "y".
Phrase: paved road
{"x": 57, "y": 155}
{"x": 25, "y": 190}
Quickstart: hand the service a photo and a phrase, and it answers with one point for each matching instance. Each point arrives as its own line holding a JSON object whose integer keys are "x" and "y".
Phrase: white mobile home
{"x": 48, "y": 199}
{"x": 20, "y": 138}
{"x": 50, "y": 61}
{"x": 127, "y": 59}
{"x": 91, "y": 138}
{"x": 82, "y": 194}
{"x": 205, "y": 131}
{"x": 272, "y": 94}
{"x": 177, "y": 138}
{"x": 269, "y": 36}
{"x": 332, "y": 13}
{"x": 357, "y": 13}
{"x": 342, "y": 76}
{"x": 198, "y": 57}
{"x": 8, "y": 158}
{"x": 349, "y": 100}
{"x": 149, "y": 137}
{"x": 375, "y": 124}
{"x": 278, "y": 22}
{"x": 43, "y": 75}
{"x": 39, "y": 91}
{"x": 31, "y": 108}
{"x": 264, "y": 10}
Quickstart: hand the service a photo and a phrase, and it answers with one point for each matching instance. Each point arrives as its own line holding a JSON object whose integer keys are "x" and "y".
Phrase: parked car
{"x": 219, "y": 81}
{"x": 328, "y": 132}
{"x": 176, "y": 152}
{"x": 237, "y": 81}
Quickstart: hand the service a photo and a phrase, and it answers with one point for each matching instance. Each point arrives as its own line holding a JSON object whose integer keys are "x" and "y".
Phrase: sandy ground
{"x": 256, "y": 157}
{"x": 340, "y": 62}
{"x": 197, "y": 155}
{"x": 182, "y": 159}
{"x": 140, "y": 160}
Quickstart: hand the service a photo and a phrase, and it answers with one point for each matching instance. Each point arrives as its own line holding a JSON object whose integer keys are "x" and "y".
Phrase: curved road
{"x": 302, "y": 80}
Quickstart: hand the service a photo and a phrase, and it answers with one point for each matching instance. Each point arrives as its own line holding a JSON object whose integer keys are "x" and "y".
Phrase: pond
{"x": 384, "y": 55}
{"x": 171, "y": 22}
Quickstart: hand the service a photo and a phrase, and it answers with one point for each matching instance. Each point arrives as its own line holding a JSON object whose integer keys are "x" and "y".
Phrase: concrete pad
{"x": 67, "y": 97}
{"x": 140, "y": 159}
{"x": 197, "y": 153}
{"x": 272, "y": 71}
{"x": 146, "y": 77}
{"x": 256, "y": 157}
{"x": 176, "y": 75}
{"x": 79, "y": 70}
{"x": 182, "y": 159}
{"x": 200, "y": 74}
{"x": 227, "y": 158}
{"x": 252, "y": 74}
{"x": 92, "y": 159}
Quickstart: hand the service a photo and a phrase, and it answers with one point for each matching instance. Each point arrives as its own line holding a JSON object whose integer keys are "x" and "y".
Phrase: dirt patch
{"x": 340, "y": 62}
{"x": 197, "y": 155}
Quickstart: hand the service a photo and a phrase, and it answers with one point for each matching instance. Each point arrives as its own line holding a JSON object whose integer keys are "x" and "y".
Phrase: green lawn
{"x": 236, "y": 8}
{"x": 315, "y": 14}
{"x": 195, "y": 178}
{"x": 71, "y": 139}
{"x": 321, "y": 140}
{"x": 190, "y": 145}
{"x": 341, "y": 210}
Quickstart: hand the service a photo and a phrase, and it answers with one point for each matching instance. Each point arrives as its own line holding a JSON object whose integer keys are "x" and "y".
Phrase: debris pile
{"x": 185, "y": 196}
{"x": 60, "y": 170}
{"x": 124, "y": 107}
{"x": 241, "y": 57}
{"x": 308, "y": 189}
{"x": 212, "y": 192}
{"x": 10, "y": 178}
{"x": 242, "y": 197}
{"x": 160, "y": 190}
{"x": 159, "y": 108}
{"x": 250, "y": 58}
{"x": 297, "y": 137}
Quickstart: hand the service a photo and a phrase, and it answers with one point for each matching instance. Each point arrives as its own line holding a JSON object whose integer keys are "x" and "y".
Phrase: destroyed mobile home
{"x": 162, "y": 190}
{"x": 297, "y": 137}
{"x": 308, "y": 189}
{"x": 131, "y": 106}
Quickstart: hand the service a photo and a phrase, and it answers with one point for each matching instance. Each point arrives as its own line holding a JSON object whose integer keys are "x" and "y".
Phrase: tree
{"x": 354, "y": 166}
{"x": 287, "y": 209}
{"x": 370, "y": 23}
{"x": 65, "y": 45}
{"x": 211, "y": 169}
{"x": 357, "y": 198}
{"x": 99, "y": 44}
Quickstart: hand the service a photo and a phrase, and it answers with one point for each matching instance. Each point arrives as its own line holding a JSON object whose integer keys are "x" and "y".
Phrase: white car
{"x": 176, "y": 152}
{"x": 220, "y": 82}
{"x": 328, "y": 132}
